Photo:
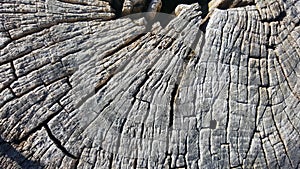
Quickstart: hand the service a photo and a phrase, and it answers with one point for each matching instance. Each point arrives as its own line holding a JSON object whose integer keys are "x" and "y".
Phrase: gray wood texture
{"x": 81, "y": 87}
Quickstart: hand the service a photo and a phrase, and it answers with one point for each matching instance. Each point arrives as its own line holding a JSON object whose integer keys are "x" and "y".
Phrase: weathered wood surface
{"x": 82, "y": 89}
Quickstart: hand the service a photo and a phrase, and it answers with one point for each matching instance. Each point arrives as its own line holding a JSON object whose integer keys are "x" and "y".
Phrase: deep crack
{"x": 58, "y": 143}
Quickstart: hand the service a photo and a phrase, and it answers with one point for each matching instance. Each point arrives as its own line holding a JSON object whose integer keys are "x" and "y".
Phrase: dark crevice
{"x": 48, "y": 25}
{"x": 117, "y": 6}
{"x": 272, "y": 46}
{"x": 168, "y": 160}
{"x": 30, "y": 49}
{"x": 263, "y": 151}
{"x": 142, "y": 100}
{"x": 76, "y": 162}
{"x": 134, "y": 165}
{"x": 19, "y": 55}
{"x": 58, "y": 143}
{"x": 110, "y": 163}
{"x": 231, "y": 4}
{"x": 106, "y": 105}
{"x": 204, "y": 25}
{"x": 69, "y": 82}
{"x": 147, "y": 74}
{"x": 252, "y": 137}
{"x": 166, "y": 13}
{"x": 58, "y": 78}
{"x": 175, "y": 91}
{"x": 270, "y": 106}
{"x": 142, "y": 130}
{"x": 172, "y": 104}
{"x": 37, "y": 128}
{"x": 297, "y": 24}
{"x": 125, "y": 45}
{"x": 279, "y": 18}
{"x": 72, "y": 51}
{"x": 141, "y": 84}
{"x": 74, "y": 2}
{"x": 223, "y": 5}
{"x": 285, "y": 149}
{"x": 102, "y": 83}
{"x": 168, "y": 6}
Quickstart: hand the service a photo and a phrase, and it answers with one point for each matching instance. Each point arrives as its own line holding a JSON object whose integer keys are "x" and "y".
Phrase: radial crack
{"x": 58, "y": 143}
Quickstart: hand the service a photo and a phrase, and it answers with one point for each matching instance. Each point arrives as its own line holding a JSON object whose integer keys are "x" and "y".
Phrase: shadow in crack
{"x": 12, "y": 155}
{"x": 168, "y": 6}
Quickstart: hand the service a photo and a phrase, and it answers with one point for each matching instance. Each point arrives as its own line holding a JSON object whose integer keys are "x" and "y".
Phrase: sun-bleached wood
{"x": 80, "y": 88}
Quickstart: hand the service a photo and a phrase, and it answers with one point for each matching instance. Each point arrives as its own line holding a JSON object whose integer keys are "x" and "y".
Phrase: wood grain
{"x": 81, "y": 87}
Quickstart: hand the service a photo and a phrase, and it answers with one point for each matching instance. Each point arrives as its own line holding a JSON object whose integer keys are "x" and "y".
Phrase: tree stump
{"x": 83, "y": 87}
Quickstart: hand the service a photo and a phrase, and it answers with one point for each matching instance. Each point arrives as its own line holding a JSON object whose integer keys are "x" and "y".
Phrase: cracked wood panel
{"x": 19, "y": 18}
{"x": 75, "y": 94}
{"x": 241, "y": 81}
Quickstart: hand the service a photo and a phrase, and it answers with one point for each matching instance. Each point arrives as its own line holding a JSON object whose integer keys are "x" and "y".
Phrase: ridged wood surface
{"x": 81, "y": 87}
